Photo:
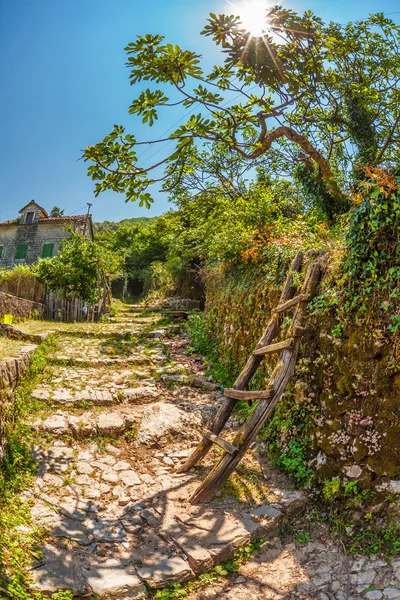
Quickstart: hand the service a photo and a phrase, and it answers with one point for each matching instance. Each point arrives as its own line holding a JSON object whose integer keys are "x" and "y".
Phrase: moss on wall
{"x": 344, "y": 401}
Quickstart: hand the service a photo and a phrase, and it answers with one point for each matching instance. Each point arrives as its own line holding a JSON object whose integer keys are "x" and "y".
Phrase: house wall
{"x": 34, "y": 236}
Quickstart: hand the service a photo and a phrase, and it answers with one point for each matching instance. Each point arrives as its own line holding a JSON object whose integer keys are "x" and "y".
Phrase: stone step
{"x": 72, "y": 361}
{"x": 97, "y": 396}
{"x": 197, "y": 381}
{"x": 150, "y": 425}
{"x": 169, "y": 543}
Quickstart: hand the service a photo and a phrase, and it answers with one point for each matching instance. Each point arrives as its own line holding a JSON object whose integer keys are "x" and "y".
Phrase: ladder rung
{"x": 290, "y": 303}
{"x": 216, "y": 439}
{"x": 245, "y": 395}
{"x": 273, "y": 347}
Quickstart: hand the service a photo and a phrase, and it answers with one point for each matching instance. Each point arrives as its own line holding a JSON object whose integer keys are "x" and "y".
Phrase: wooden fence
{"x": 75, "y": 309}
{"x": 23, "y": 285}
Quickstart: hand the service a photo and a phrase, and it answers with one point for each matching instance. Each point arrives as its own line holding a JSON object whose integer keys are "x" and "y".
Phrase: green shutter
{"x": 47, "y": 251}
{"x": 21, "y": 252}
{"x": 1, "y": 251}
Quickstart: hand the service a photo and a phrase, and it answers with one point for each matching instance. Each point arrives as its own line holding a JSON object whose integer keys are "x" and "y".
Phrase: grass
{"x": 10, "y": 348}
{"x": 19, "y": 536}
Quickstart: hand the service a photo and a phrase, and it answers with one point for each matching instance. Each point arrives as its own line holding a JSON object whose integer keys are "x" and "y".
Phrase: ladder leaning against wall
{"x": 288, "y": 350}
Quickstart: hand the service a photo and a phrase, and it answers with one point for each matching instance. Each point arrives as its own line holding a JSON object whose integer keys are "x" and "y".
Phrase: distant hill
{"x": 111, "y": 226}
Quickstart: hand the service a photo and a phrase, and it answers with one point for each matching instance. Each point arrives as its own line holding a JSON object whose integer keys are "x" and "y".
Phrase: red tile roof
{"x": 49, "y": 219}
{"x": 54, "y": 219}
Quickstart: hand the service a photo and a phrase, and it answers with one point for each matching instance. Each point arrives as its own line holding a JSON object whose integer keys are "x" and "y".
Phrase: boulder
{"x": 163, "y": 420}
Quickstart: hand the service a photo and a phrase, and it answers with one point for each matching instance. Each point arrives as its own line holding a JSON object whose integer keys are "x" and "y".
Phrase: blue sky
{"x": 64, "y": 84}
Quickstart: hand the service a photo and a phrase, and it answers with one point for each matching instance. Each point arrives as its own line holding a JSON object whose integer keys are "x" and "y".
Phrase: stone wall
{"x": 345, "y": 396}
{"x": 11, "y": 371}
{"x": 19, "y": 307}
{"x": 35, "y": 235}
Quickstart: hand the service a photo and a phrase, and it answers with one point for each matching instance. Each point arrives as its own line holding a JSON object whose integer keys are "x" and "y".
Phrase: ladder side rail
{"x": 250, "y": 429}
{"x": 271, "y": 330}
{"x": 247, "y": 373}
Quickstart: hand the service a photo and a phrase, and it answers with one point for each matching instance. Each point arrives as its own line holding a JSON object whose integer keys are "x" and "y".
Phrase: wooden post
{"x": 250, "y": 429}
{"x": 248, "y": 371}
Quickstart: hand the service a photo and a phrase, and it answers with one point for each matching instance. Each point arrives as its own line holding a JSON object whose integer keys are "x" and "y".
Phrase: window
{"x": 29, "y": 217}
{"x": 20, "y": 253}
{"x": 1, "y": 251}
{"x": 47, "y": 251}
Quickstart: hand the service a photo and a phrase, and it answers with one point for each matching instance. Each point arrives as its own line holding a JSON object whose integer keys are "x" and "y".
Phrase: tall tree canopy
{"x": 307, "y": 99}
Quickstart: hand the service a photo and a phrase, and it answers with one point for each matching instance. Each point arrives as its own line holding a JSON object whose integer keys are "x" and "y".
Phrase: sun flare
{"x": 253, "y": 16}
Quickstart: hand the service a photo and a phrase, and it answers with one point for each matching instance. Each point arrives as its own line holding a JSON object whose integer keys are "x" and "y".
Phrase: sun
{"x": 252, "y": 14}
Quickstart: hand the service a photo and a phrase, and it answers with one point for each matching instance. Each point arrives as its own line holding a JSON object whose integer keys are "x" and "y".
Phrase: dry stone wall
{"x": 19, "y": 307}
{"x": 346, "y": 386}
{"x": 11, "y": 371}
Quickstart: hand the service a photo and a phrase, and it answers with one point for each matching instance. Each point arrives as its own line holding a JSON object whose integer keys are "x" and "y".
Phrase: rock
{"x": 84, "y": 468}
{"x": 164, "y": 571}
{"x": 168, "y": 461}
{"x": 110, "y": 579}
{"x": 354, "y": 471}
{"x": 113, "y": 449}
{"x": 60, "y": 458}
{"x": 56, "y": 424}
{"x": 240, "y": 579}
{"x": 85, "y": 455}
{"x": 76, "y": 508}
{"x": 391, "y": 593}
{"x": 110, "y": 476}
{"x": 123, "y": 498}
{"x": 373, "y": 595}
{"x": 164, "y": 419}
{"x": 394, "y": 486}
{"x": 62, "y": 396}
{"x": 292, "y": 500}
{"x": 129, "y": 478}
{"x": 181, "y": 454}
{"x": 84, "y": 480}
{"x": 203, "y": 384}
{"x": 363, "y": 577}
{"x": 144, "y": 395}
{"x": 121, "y": 465}
{"x": 53, "y": 480}
{"x": 321, "y": 580}
{"x": 358, "y": 565}
{"x": 108, "y": 460}
{"x": 105, "y": 530}
{"x": 40, "y": 394}
{"x": 132, "y": 524}
{"x": 93, "y": 492}
{"x": 71, "y": 529}
{"x": 110, "y": 424}
{"x": 60, "y": 569}
{"x": 82, "y": 427}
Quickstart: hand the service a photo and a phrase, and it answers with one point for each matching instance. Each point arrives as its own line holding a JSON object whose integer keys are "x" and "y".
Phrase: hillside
{"x": 112, "y": 226}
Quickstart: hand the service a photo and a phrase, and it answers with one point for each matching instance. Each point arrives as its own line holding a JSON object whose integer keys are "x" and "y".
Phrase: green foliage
{"x": 293, "y": 460}
{"x": 77, "y": 268}
{"x": 56, "y": 212}
{"x": 371, "y": 265}
{"x": 331, "y": 86}
{"x": 182, "y": 590}
{"x": 19, "y": 535}
{"x": 204, "y": 342}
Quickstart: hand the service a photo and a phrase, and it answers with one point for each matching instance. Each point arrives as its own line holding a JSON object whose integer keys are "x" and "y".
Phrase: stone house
{"x": 35, "y": 235}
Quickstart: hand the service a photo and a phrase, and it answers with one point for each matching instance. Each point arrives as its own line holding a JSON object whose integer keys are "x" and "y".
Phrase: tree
{"x": 56, "y": 212}
{"x": 314, "y": 101}
{"x": 76, "y": 269}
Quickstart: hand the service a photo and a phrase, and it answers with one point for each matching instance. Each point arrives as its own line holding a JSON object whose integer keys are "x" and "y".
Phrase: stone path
{"x": 121, "y": 411}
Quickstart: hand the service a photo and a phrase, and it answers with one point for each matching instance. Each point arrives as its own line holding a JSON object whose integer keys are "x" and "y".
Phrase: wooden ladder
{"x": 267, "y": 399}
